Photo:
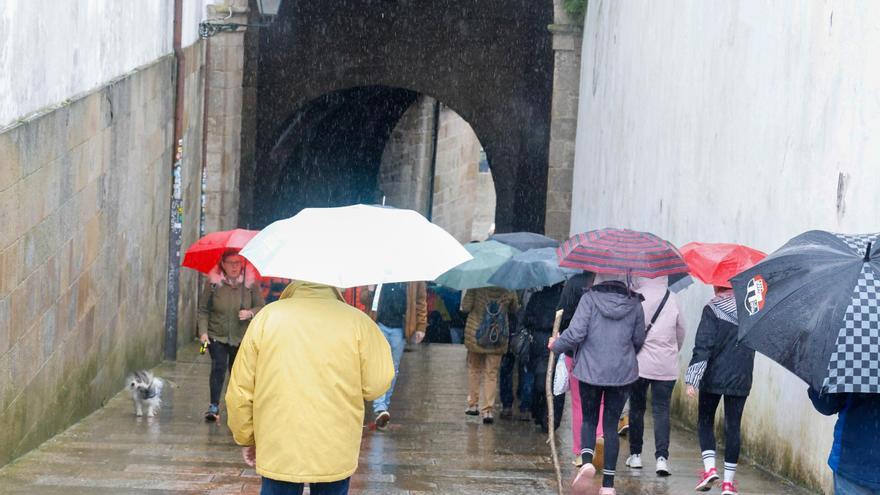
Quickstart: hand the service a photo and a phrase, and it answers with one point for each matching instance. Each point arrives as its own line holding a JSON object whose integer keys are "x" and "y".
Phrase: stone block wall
{"x": 457, "y": 179}
{"x": 225, "y": 68}
{"x": 191, "y": 174}
{"x": 464, "y": 198}
{"x": 405, "y": 173}
{"x": 84, "y": 216}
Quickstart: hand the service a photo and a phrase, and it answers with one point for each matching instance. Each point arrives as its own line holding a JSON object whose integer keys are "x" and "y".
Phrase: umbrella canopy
{"x": 532, "y": 269}
{"x": 525, "y": 240}
{"x": 354, "y": 246}
{"x": 813, "y": 306}
{"x": 716, "y": 264}
{"x": 488, "y": 257}
{"x": 620, "y": 251}
{"x": 204, "y": 254}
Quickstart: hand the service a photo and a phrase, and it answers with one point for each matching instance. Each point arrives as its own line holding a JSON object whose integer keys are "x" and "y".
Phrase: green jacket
{"x": 219, "y": 307}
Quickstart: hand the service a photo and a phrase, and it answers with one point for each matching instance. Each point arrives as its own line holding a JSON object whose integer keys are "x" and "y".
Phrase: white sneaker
{"x": 634, "y": 461}
{"x": 663, "y": 467}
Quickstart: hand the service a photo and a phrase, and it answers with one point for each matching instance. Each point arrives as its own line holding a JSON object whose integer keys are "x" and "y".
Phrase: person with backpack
{"x": 486, "y": 336}
{"x": 229, "y": 301}
{"x": 720, "y": 369}
{"x": 605, "y": 334}
{"x": 658, "y": 370}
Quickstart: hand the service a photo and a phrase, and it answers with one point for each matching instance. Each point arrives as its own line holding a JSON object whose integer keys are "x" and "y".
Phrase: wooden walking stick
{"x": 550, "y": 413}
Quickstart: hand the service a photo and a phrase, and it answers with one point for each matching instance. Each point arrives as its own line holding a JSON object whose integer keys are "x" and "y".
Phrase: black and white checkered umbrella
{"x": 813, "y": 306}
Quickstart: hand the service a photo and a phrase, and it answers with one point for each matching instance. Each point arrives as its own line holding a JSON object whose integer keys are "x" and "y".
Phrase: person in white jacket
{"x": 658, "y": 370}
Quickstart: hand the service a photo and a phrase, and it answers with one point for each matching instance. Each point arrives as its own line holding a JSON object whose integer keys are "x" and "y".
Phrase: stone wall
{"x": 464, "y": 198}
{"x": 745, "y": 122}
{"x": 457, "y": 180}
{"x": 225, "y": 69}
{"x": 84, "y": 218}
{"x": 405, "y": 172}
{"x": 567, "y": 40}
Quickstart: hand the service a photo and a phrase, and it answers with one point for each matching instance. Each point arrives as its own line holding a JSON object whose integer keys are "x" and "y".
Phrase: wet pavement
{"x": 430, "y": 447}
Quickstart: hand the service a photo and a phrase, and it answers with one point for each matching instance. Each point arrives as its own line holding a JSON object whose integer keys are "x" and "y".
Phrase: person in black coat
{"x": 538, "y": 318}
{"x": 720, "y": 368}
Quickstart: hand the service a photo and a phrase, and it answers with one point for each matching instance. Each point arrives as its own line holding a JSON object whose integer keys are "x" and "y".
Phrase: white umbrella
{"x": 354, "y": 246}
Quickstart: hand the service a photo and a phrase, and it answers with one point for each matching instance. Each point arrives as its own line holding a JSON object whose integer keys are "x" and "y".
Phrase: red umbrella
{"x": 716, "y": 264}
{"x": 621, "y": 251}
{"x": 205, "y": 253}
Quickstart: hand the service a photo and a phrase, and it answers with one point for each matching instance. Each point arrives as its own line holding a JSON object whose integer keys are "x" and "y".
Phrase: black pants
{"x": 733, "y": 411}
{"x": 591, "y": 399}
{"x": 539, "y": 401}
{"x": 661, "y": 394}
{"x": 222, "y": 357}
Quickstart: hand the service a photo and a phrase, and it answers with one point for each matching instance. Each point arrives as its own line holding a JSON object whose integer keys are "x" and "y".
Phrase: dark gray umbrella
{"x": 525, "y": 240}
{"x": 531, "y": 269}
{"x": 813, "y": 306}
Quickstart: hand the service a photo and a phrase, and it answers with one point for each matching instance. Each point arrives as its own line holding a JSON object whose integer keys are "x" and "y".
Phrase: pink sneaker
{"x": 607, "y": 491}
{"x": 706, "y": 480}
{"x": 728, "y": 488}
{"x": 582, "y": 481}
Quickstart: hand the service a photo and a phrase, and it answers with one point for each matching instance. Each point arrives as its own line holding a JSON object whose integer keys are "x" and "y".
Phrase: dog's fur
{"x": 146, "y": 393}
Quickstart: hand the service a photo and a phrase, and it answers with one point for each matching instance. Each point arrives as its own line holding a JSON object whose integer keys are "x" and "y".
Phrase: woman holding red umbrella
{"x": 720, "y": 368}
{"x": 229, "y": 301}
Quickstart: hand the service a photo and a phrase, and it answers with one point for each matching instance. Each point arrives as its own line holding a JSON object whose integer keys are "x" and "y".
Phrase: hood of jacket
{"x": 613, "y": 300}
{"x": 304, "y": 289}
{"x": 217, "y": 277}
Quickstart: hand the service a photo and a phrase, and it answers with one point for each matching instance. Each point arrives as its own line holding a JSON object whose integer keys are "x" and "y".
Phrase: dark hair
{"x": 228, "y": 253}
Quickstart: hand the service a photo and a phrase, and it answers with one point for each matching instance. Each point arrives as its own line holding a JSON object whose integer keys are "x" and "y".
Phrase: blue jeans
{"x": 456, "y": 335}
{"x": 398, "y": 343}
{"x": 844, "y": 486}
{"x": 524, "y": 389}
{"x": 273, "y": 487}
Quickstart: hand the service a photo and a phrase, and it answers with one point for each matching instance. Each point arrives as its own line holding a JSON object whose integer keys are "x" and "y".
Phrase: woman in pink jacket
{"x": 658, "y": 370}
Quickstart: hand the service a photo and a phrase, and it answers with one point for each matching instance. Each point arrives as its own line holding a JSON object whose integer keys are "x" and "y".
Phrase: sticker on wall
{"x": 756, "y": 294}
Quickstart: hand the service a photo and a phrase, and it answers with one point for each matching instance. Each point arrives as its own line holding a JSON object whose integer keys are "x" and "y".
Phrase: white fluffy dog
{"x": 146, "y": 393}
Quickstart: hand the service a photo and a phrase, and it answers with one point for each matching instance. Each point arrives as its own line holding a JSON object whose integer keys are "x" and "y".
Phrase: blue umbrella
{"x": 488, "y": 257}
{"x": 532, "y": 269}
{"x": 525, "y": 240}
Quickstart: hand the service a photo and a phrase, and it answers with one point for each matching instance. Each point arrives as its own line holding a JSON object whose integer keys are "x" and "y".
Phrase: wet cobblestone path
{"x": 430, "y": 447}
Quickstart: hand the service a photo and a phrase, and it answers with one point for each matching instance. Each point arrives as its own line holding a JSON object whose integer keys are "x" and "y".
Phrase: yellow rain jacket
{"x": 305, "y": 367}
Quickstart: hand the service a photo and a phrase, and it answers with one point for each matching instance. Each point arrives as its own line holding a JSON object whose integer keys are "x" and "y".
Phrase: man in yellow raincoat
{"x": 296, "y": 397}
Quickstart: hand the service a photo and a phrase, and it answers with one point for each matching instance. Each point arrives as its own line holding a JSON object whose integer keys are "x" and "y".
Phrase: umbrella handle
{"x": 376, "y": 295}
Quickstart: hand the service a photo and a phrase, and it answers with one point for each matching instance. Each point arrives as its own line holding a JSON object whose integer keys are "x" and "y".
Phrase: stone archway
{"x": 491, "y": 61}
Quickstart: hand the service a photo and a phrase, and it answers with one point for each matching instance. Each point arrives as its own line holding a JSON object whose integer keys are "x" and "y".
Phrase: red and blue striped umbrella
{"x": 621, "y": 251}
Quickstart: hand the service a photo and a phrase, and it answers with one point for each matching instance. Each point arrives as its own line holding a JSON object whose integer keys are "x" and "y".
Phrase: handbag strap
{"x": 657, "y": 313}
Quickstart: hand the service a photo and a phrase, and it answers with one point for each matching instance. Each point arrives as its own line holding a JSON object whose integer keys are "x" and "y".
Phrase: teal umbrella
{"x": 473, "y": 274}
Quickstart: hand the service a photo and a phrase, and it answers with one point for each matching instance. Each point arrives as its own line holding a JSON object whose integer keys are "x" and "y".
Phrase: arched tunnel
{"x": 332, "y": 79}
{"x": 330, "y": 152}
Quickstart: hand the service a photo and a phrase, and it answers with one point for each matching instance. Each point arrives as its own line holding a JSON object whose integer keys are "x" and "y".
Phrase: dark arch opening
{"x": 330, "y": 152}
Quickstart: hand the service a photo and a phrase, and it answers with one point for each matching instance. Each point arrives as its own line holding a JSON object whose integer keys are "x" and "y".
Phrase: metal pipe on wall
{"x": 176, "y": 209}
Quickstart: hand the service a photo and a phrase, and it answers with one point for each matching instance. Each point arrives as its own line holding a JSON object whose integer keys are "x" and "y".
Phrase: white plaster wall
{"x": 52, "y": 50}
{"x": 719, "y": 120}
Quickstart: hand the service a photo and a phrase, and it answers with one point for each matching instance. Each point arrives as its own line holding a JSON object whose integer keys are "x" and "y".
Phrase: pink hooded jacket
{"x": 658, "y": 358}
